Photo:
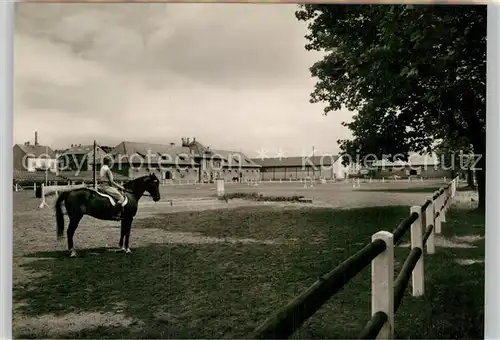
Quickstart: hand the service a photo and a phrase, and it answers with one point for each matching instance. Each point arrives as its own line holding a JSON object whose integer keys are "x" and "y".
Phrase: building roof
{"x": 37, "y": 150}
{"x": 151, "y": 153}
{"x": 235, "y": 158}
{"x": 325, "y": 160}
{"x": 78, "y": 150}
{"x": 198, "y": 148}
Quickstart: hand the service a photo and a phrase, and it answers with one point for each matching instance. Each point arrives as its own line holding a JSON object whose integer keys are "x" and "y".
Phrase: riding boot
{"x": 119, "y": 214}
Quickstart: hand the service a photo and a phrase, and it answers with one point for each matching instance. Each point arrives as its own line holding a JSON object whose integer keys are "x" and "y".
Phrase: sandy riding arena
{"x": 201, "y": 267}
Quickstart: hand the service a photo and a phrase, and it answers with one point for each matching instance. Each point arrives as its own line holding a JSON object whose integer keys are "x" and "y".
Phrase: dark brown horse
{"x": 87, "y": 201}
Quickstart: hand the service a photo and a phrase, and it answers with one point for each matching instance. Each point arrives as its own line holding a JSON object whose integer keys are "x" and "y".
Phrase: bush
{"x": 259, "y": 197}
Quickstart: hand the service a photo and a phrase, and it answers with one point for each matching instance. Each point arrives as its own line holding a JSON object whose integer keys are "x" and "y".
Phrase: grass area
{"x": 225, "y": 290}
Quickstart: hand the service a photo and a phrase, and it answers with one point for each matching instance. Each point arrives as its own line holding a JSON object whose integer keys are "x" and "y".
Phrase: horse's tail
{"x": 59, "y": 213}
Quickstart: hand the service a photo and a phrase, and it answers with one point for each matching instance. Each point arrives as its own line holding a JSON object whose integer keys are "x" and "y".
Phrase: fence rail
{"x": 387, "y": 293}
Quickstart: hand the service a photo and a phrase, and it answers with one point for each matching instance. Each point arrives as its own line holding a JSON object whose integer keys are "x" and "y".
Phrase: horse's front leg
{"x": 122, "y": 235}
{"x": 127, "y": 236}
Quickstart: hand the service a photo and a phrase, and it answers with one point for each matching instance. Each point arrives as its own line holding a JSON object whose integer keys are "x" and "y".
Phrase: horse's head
{"x": 152, "y": 186}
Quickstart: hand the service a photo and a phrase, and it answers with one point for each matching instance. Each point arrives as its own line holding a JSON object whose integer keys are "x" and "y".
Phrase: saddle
{"x": 111, "y": 199}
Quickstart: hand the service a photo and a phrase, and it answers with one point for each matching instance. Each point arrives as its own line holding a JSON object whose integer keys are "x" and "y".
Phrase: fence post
{"x": 437, "y": 208}
{"x": 443, "y": 208}
{"x": 383, "y": 284}
{"x": 429, "y": 219}
{"x": 447, "y": 197}
{"x": 42, "y": 193}
{"x": 417, "y": 276}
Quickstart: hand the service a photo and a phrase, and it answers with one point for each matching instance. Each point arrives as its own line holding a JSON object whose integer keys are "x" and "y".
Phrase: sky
{"x": 234, "y": 76}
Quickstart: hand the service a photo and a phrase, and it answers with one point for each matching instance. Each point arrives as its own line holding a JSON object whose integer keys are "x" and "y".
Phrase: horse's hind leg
{"x": 73, "y": 224}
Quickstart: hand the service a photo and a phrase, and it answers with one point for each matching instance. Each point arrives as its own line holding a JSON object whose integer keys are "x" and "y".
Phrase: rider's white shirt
{"x": 104, "y": 170}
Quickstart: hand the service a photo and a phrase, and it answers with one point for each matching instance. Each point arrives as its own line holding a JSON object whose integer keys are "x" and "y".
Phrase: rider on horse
{"x": 110, "y": 187}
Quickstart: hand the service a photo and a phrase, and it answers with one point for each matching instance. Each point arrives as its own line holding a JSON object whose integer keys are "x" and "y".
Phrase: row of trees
{"x": 415, "y": 75}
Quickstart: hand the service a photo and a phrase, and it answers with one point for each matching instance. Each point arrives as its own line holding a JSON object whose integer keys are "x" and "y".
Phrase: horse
{"x": 88, "y": 201}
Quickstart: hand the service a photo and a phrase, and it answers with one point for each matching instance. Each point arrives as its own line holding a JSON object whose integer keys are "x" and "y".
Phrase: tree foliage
{"x": 414, "y": 74}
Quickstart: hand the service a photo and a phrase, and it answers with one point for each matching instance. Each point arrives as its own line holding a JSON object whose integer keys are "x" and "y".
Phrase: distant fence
{"x": 387, "y": 292}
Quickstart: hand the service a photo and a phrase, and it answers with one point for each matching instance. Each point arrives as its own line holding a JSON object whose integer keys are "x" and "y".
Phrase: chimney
{"x": 187, "y": 140}
{"x": 194, "y": 139}
{"x": 36, "y": 138}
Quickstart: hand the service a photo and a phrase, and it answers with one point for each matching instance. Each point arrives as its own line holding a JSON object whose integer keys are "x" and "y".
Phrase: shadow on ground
{"x": 226, "y": 290}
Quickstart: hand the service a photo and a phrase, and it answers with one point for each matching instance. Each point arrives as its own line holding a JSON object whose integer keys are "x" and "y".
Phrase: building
{"x": 79, "y": 158}
{"x": 33, "y": 157}
{"x": 426, "y": 165}
{"x": 296, "y": 168}
{"x": 191, "y": 161}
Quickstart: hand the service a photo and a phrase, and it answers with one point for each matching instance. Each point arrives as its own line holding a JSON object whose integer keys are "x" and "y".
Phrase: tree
{"x": 106, "y": 149}
{"x": 457, "y": 156}
{"x": 414, "y": 74}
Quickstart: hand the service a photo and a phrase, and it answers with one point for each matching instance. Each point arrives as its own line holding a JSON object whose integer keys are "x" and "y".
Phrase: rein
{"x": 130, "y": 192}
{"x": 144, "y": 194}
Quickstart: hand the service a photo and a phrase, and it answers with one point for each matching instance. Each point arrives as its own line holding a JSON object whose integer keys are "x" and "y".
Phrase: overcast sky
{"x": 234, "y": 76}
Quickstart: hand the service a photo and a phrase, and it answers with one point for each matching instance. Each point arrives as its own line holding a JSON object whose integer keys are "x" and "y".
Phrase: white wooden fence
{"x": 55, "y": 189}
{"x": 385, "y": 290}
{"x": 424, "y": 222}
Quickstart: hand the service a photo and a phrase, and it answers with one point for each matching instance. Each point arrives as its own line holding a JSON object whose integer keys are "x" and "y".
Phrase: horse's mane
{"x": 129, "y": 184}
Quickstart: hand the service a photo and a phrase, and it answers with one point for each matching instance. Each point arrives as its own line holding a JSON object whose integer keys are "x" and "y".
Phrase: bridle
{"x": 144, "y": 194}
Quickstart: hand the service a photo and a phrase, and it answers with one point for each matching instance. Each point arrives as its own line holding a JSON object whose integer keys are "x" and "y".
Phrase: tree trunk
{"x": 470, "y": 178}
{"x": 481, "y": 176}
{"x": 481, "y": 187}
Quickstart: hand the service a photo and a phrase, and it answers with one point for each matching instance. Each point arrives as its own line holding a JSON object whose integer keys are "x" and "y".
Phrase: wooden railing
{"x": 387, "y": 293}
